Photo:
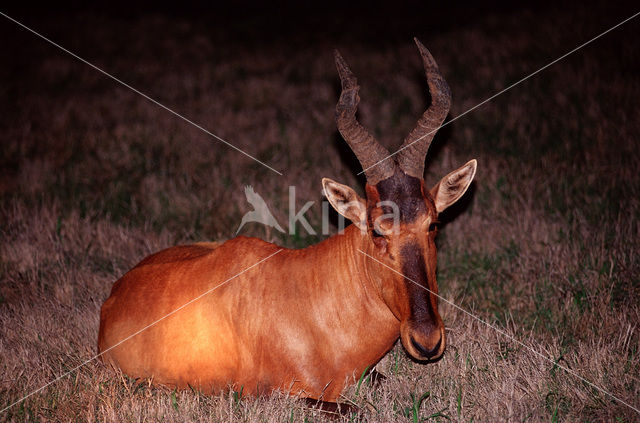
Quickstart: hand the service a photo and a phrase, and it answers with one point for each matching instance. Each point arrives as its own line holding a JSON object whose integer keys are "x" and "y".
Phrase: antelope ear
{"x": 346, "y": 202}
{"x": 453, "y": 186}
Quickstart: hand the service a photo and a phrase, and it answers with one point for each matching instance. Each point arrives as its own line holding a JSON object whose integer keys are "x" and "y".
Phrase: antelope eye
{"x": 434, "y": 226}
{"x": 376, "y": 233}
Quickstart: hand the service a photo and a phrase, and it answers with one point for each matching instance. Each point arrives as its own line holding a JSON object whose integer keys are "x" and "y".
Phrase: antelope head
{"x": 398, "y": 219}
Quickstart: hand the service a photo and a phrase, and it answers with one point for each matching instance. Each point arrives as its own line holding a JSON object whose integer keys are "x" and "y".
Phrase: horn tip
{"x": 341, "y": 64}
{"x": 421, "y": 46}
{"x": 425, "y": 53}
{"x": 347, "y": 77}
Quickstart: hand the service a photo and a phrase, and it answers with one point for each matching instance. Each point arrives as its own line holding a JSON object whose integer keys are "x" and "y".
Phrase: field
{"x": 544, "y": 247}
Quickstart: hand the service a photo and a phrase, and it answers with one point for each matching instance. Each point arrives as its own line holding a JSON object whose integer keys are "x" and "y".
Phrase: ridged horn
{"x": 415, "y": 146}
{"x": 368, "y": 151}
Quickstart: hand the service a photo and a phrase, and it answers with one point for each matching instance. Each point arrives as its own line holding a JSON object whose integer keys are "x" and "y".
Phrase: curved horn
{"x": 366, "y": 148}
{"x": 415, "y": 146}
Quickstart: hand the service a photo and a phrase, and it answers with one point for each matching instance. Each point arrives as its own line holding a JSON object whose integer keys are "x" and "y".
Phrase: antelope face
{"x": 399, "y": 216}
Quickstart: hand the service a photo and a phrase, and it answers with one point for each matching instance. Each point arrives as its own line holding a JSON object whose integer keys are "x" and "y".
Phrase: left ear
{"x": 453, "y": 186}
{"x": 346, "y": 202}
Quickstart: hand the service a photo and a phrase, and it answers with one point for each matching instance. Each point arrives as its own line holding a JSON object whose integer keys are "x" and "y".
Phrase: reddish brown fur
{"x": 277, "y": 326}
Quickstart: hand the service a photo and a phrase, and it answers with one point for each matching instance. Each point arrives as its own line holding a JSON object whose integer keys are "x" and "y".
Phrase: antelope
{"x": 304, "y": 321}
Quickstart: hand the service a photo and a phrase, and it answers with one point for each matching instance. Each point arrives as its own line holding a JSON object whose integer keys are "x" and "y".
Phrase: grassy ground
{"x": 545, "y": 246}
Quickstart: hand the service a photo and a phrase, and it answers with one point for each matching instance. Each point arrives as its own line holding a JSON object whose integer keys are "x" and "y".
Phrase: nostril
{"x": 425, "y": 352}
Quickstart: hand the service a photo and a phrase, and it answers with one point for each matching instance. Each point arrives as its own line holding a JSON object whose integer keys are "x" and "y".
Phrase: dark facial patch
{"x": 414, "y": 268}
{"x": 406, "y": 192}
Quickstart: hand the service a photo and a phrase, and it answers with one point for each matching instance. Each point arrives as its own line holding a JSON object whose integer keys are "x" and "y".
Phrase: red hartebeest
{"x": 303, "y": 321}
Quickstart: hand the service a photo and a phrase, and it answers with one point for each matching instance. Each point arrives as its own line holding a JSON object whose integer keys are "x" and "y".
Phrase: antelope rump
{"x": 299, "y": 321}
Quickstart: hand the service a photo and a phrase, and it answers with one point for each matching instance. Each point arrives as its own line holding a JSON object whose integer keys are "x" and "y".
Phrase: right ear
{"x": 453, "y": 186}
{"x": 346, "y": 202}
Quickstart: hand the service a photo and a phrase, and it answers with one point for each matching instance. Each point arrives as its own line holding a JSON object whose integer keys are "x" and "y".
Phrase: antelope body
{"x": 260, "y": 318}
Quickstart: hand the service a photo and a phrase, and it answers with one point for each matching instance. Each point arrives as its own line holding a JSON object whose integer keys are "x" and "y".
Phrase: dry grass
{"x": 93, "y": 178}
